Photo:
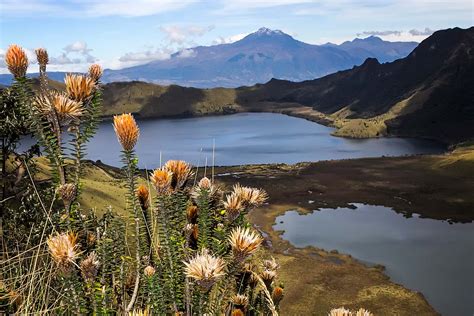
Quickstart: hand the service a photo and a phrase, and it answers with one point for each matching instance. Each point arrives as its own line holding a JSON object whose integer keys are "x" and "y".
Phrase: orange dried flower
{"x": 161, "y": 180}
{"x": 17, "y": 61}
{"x": 277, "y": 294}
{"x": 95, "y": 72}
{"x": 143, "y": 196}
{"x": 181, "y": 172}
{"x": 79, "y": 87}
{"x": 191, "y": 212}
{"x": 63, "y": 249}
{"x": 127, "y": 130}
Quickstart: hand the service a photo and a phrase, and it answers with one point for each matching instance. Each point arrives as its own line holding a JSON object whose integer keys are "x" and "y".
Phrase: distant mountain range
{"x": 257, "y": 58}
{"x": 429, "y": 93}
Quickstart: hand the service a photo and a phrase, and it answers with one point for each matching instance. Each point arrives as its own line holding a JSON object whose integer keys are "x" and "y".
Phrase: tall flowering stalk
{"x": 127, "y": 132}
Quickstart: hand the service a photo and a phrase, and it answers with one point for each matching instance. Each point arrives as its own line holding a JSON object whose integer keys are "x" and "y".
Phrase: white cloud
{"x": 379, "y": 33}
{"x": 426, "y": 32}
{"x": 77, "y": 47}
{"x": 229, "y": 39}
{"x": 145, "y": 56}
{"x": 176, "y": 34}
{"x": 186, "y": 53}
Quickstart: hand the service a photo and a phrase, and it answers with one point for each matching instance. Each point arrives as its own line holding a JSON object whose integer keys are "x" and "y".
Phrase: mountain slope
{"x": 430, "y": 93}
{"x": 257, "y": 58}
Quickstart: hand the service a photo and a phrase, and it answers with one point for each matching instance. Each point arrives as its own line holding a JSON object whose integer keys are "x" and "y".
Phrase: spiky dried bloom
{"x": 233, "y": 206}
{"x": 363, "y": 312}
{"x": 161, "y": 180}
{"x": 205, "y": 183}
{"x": 268, "y": 276}
{"x": 139, "y": 312}
{"x": 181, "y": 171}
{"x": 149, "y": 271}
{"x": 240, "y": 301}
{"x": 271, "y": 265}
{"x": 126, "y": 130}
{"x": 63, "y": 249}
{"x": 213, "y": 192}
{"x": 67, "y": 110}
{"x": 277, "y": 294}
{"x": 205, "y": 269}
{"x": 68, "y": 192}
{"x": 79, "y": 87}
{"x": 95, "y": 72}
{"x": 191, "y": 213}
{"x": 237, "y": 312}
{"x": 254, "y": 280}
{"x": 90, "y": 267}
{"x": 341, "y": 311}
{"x": 42, "y": 105}
{"x": 250, "y": 196}
{"x": 143, "y": 195}
{"x": 57, "y": 103}
{"x": 244, "y": 242}
{"x": 42, "y": 56}
{"x": 16, "y": 60}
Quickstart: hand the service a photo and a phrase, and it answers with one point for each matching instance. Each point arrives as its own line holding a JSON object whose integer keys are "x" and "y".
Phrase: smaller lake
{"x": 246, "y": 138}
{"x": 426, "y": 255}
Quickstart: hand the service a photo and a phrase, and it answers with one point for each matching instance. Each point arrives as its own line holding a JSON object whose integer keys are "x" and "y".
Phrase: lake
{"x": 247, "y": 138}
{"x": 430, "y": 256}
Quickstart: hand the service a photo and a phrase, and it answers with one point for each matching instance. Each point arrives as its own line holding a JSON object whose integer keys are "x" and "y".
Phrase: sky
{"x": 120, "y": 33}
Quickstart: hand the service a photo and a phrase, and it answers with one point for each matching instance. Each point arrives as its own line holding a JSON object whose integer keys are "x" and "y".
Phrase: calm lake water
{"x": 430, "y": 256}
{"x": 248, "y": 138}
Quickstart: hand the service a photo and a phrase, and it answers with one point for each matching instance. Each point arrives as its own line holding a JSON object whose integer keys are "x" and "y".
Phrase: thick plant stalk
{"x": 130, "y": 169}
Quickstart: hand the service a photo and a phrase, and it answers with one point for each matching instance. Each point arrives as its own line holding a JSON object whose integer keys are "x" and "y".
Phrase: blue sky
{"x": 118, "y": 33}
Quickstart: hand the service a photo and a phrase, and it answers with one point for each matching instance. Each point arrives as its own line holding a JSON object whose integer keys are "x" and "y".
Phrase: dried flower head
{"x": 191, "y": 213}
{"x": 240, "y": 301}
{"x": 149, "y": 271}
{"x": 341, "y": 311}
{"x": 181, "y": 171}
{"x": 244, "y": 242}
{"x": 67, "y": 110}
{"x": 271, "y": 265}
{"x": 79, "y": 87}
{"x": 250, "y": 196}
{"x": 143, "y": 196}
{"x": 16, "y": 61}
{"x": 42, "y": 56}
{"x": 161, "y": 180}
{"x": 237, "y": 312}
{"x": 15, "y": 298}
{"x": 127, "y": 130}
{"x": 254, "y": 280}
{"x": 363, "y": 312}
{"x": 205, "y": 269}
{"x": 95, "y": 72}
{"x": 139, "y": 312}
{"x": 68, "y": 192}
{"x": 277, "y": 294}
{"x": 233, "y": 206}
{"x": 63, "y": 249}
{"x": 90, "y": 267}
{"x": 205, "y": 183}
{"x": 268, "y": 276}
